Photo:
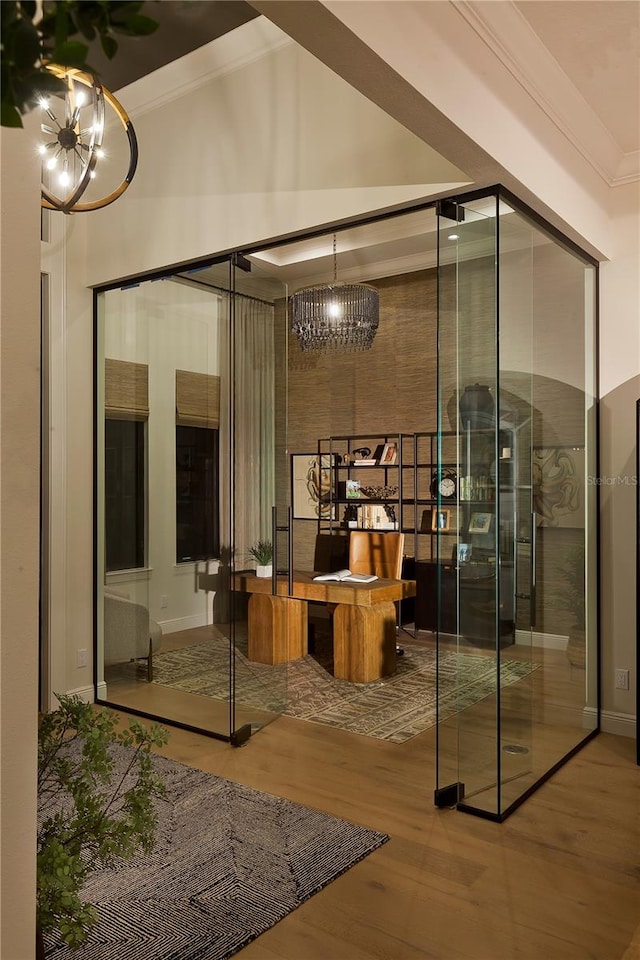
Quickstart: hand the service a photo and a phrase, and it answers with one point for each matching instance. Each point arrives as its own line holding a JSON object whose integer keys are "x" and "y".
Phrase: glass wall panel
{"x": 474, "y": 577}
{"x": 521, "y": 357}
{"x": 465, "y": 432}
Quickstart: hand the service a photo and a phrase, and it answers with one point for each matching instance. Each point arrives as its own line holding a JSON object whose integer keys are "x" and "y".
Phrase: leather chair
{"x": 376, "y": 552}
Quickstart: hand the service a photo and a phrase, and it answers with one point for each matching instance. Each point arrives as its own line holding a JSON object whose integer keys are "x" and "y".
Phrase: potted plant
{"x": 93, "y": 809}
{"x": 572, "y": 598}
{"x": 262, "y": 553}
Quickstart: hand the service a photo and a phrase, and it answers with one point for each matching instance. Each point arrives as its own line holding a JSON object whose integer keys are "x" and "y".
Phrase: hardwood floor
{"x": 559, "y": 880}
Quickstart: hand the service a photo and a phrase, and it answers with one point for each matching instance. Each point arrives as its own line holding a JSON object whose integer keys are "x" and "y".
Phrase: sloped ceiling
{"x": 183, "y": 26}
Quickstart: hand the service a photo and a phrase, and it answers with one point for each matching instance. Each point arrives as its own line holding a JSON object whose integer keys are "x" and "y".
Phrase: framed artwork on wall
{"x": 558, "y": 485}
{"x": 312, "y": 486}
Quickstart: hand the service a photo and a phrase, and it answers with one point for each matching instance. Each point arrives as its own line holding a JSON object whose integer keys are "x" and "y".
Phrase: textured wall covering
{"x": 388, "y": 389}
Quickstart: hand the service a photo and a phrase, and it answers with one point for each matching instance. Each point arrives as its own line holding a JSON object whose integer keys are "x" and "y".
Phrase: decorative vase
{"x": 476, "y": 407}
{"x": 264, "y": 570}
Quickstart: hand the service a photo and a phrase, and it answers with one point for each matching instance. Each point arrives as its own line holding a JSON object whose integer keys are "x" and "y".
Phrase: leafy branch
{"x": 88, "y": 816}
{"x": 56, "y": 33}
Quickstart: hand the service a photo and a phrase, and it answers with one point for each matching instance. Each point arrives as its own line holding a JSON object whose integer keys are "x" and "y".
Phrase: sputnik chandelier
{"x": 335, "y": 316}
{"x": 71, "y": 145}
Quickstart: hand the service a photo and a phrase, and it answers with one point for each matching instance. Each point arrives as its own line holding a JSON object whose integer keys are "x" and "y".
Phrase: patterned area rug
{"x": 395, "y": 709}
{"x": 229, "y": 863}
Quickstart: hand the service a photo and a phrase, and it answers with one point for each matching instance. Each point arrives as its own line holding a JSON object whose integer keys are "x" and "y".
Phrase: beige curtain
{"x": 254, "y": 486}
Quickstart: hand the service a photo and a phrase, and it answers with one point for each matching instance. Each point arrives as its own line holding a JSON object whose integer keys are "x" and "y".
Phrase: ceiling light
{"x": 72, "y": 130}
{"x": 335, "y": 316}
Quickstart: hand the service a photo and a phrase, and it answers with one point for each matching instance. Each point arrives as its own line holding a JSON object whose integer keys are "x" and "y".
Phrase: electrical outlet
{"x": 81, "y": 658}
{"x": 622, "y": 679}
{"x": 164, "y": 600}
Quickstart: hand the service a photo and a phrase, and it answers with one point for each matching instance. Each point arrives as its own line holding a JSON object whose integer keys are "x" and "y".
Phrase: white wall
{"x": 257, "y": 141}
{"x": 620, "y": 389}
{"x": 19, "y": 540}
{"x": 168, "y": 326}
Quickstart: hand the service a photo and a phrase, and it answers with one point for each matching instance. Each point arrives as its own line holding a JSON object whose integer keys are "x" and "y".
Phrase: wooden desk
{"x": 364, "y": 621}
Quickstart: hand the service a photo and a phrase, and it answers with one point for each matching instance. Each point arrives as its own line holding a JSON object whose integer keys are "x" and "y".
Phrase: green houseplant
{"x": 57, "y": 31}
{"x": 262, "y": 552}
{"x": 92, "y": 812}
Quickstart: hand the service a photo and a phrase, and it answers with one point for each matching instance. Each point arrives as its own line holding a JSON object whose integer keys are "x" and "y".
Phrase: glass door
{"x": 187, "y": 376}
{"x": 517, "y": 377}
{"x": 163, "y": 484}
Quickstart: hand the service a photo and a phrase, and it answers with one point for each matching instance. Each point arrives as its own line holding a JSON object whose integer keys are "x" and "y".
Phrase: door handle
{"x": 275, "y": 529}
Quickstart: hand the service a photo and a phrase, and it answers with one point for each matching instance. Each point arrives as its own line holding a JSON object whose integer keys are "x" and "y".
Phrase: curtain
{"x": 252, "y": 397}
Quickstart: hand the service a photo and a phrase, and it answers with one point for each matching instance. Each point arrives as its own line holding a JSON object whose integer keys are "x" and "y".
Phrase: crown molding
{"x": 628, "y": 169}
{"x": 515, "y": 44}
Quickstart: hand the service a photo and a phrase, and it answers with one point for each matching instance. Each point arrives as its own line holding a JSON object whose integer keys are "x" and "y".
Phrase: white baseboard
{"x": 622, "y": 724}
{"x": 101, "y": 693}
{"x": 183, "y": 623}
{"x": 550, "y": 641}
{"x": 85, "y": 693}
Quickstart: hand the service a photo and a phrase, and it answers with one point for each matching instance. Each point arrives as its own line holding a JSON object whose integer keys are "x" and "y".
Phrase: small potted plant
{"x": 262, "y": 553}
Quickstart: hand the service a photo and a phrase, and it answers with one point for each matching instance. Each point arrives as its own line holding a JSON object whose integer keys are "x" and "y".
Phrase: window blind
{"x": 197, "y": 399}
{"x": 126, "y": 390}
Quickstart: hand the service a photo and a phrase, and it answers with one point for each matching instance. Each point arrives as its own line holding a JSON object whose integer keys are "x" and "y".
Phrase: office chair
{"x": 379, "y": 553}
{"x": 376, "y": 552}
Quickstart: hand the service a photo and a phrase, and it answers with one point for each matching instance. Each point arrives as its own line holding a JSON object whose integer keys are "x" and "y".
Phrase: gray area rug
{"x": 229, "y": 863}
{"x": 396, "y": 708}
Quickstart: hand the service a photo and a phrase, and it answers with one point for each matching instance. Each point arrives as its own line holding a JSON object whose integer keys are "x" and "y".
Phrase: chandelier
{"x": 71, "y": 145}
{"x": 335, "y": 316}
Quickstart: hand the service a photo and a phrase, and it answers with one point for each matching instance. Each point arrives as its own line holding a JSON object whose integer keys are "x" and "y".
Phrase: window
{"x": 197, "y": 490}
{"x": 124, "y": 493}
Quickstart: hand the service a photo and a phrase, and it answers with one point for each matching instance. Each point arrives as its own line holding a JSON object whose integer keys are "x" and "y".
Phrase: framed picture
{"x": 313, "y": 486}
{"x": 463, "y": 552}
{"x": 480, "y": 522}
{"x": 440, "y": 520}
{"x": 389, "y": 454}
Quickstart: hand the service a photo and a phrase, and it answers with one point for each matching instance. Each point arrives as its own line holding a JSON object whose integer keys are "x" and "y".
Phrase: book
{"x": 348, "y": 576}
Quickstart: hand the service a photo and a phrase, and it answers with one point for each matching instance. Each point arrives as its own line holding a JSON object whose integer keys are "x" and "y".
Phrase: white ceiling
{"x": 578, "y": 59}
{"x": 597, "y": 45}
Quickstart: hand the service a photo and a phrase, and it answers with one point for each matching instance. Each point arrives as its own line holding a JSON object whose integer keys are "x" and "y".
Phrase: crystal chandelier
{"x": 335, "y": 316}
{"x": 71, "y": 146}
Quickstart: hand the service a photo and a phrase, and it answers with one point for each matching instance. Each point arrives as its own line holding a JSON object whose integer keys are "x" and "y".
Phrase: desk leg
{"x": 364, "y": 642}
{"x": 277, "y": 628}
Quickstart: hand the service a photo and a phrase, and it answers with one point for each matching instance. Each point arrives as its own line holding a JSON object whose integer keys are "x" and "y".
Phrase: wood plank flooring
{"x": 559, "y": 880}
